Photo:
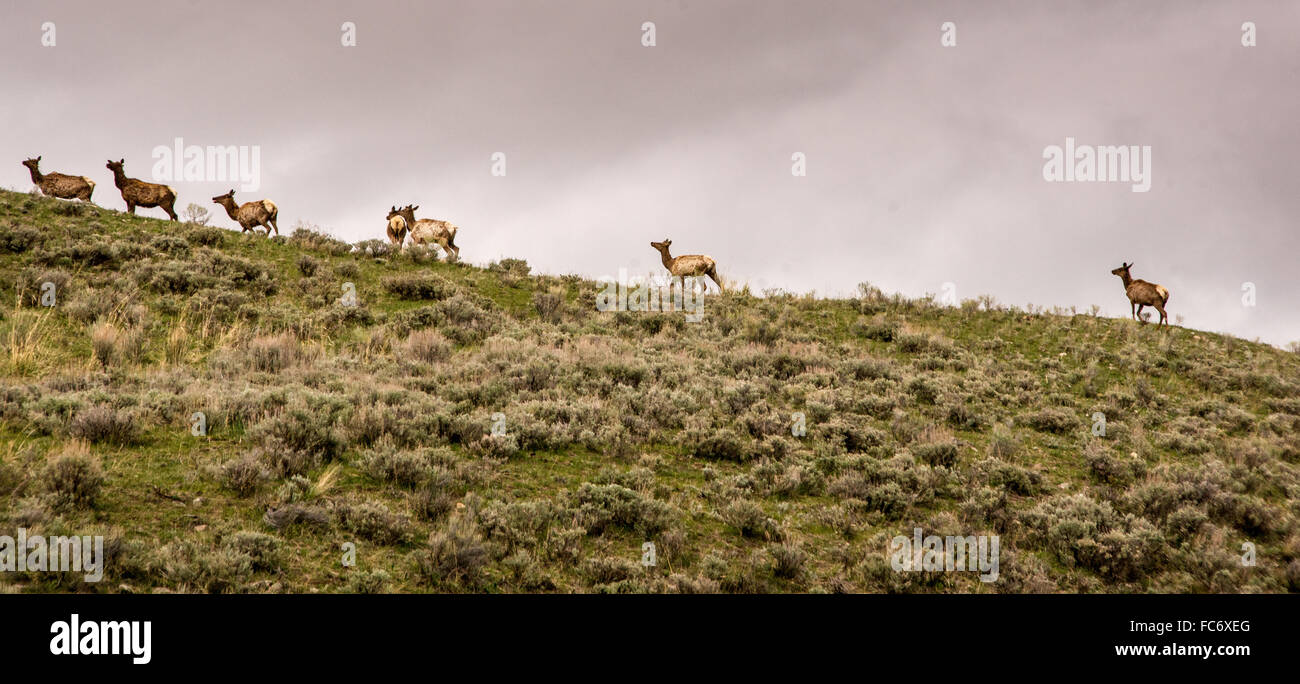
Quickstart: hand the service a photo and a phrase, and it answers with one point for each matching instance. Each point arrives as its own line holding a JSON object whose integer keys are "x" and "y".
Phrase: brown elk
{"x": 60, "y": 185}
{"x": 396, "y": 227}
{"x": 688, "y": 265}
{"x": 138, "y": 193}
{"x": 425, "y": 231}
{"x": 1142, "y": 294}
{"x": 250, "y": 215}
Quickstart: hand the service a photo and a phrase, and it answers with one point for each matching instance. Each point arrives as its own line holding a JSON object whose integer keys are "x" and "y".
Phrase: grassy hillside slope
{"x": 370, "y": 425}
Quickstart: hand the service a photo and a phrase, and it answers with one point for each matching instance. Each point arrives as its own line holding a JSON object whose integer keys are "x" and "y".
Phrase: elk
{"x": 60, "y": 185}
{"x": 138, "y": 193}
{"x": 396, "y": 227}
{"x": 250, "y": 215}
{"x": 425, "y": 231}
{"x": 688, "y": 265}
{"x": 1142, "y": 294}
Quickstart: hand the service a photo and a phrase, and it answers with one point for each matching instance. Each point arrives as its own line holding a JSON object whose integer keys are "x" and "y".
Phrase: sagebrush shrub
{"x": 307, "y": 265}
{"x": 74, "y": 477}
{"x": 386, "y": 463}
{"x": 263, "y": 550}
{"x": 297, "y": 514}
{"x": 495, "y": 446}
{"x": 298, "y": 439}
{"x": 113, "y": 345}
{"x": 603, "y": 506}
{"x": 609, "y": 569}
{"x": 788, "y": 560}
{"x": 99, "y": 424}
{"x": 456, "y": 554}
{"x": 1108, "y": 468}
{"x": 723, "y": 445}
{"x": 306, "y": 236}
{"x": 272, "y": 354}
{"x": 1053, "y": 419}
{"x": 419, "y": 286}
{"x": 243, "y": 475}
{"x": 373, "y": 521}
{"x": 368, "y": 581}
{"x": 549, "y": 306}
{"x": 749, "y": 519}
{"x": 433, "y": 501}
{"x": 428, "y": 346}
{"x": 374, "y": 248}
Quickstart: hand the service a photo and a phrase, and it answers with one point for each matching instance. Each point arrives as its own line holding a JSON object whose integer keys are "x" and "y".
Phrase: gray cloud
{"x": 924, "y": 163}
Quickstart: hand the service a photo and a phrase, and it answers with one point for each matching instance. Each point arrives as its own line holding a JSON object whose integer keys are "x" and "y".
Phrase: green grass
{"x": 1200, "y": 425}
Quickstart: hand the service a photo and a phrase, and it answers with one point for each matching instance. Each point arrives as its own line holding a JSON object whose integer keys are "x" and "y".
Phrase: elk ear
{"x": 414, "y": 207}
{"x": 38, "y": 158}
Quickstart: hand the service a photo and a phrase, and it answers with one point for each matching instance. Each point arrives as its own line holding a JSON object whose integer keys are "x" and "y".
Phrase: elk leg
{"x": 1164, "y": 318}
{"x": 130, "y": 208}
{"x": 1139, "y": 313}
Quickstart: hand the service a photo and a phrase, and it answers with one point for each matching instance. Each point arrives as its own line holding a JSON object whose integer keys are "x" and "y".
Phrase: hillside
{"x": 328, "y": 424}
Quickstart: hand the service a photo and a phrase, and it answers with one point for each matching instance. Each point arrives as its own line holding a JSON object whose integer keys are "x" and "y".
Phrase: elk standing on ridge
{"x": 425, "y": 231}
{"x": 138, "y": 193}
{"x": 396, "y": 227}
{"x": 688, "y": 265}
{"x": 250, "y": 215}
{"x": 1141, "y": 293}
{"x": 60, "y": 185}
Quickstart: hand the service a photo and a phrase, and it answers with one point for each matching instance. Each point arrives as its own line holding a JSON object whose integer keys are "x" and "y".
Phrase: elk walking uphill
{"x": 397, "y": 227}
{"x": 250, "y": 215}
{"x": 425, "y": 231}
{"x": 138, "y": 193}
{"x": 688, "y": 265}
{"x": 1142, "y": 294}
{"x": 60, "y": 185}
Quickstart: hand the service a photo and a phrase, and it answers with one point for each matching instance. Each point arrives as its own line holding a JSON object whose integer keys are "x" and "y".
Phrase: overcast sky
{"x": 924, "y": 162}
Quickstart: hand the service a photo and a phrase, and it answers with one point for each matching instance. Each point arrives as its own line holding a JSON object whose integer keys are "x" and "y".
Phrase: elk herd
{"x": 403, "y": 224}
